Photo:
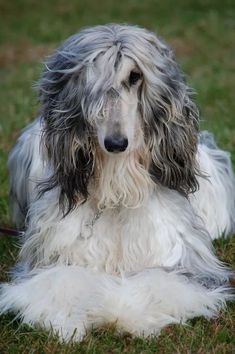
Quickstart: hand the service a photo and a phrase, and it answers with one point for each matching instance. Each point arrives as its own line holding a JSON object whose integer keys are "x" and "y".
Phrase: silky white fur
{"x": 147, "y": 260}
{"x": 72, "y": 300}
{"x": 214, "y": 202}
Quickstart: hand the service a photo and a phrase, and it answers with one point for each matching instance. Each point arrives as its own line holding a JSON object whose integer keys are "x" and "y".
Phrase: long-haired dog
{"x": 119, "y": 193}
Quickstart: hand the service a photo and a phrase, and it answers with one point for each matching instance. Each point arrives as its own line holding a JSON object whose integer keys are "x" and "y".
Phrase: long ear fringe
{"x": 66, "y": 133}
{"x": 171, "y": 129}
{"x": 174, "y": 158}
{"x": 72, "y": 166}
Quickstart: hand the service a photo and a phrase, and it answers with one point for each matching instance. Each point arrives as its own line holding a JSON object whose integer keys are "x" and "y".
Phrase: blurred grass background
{"x": 202, "y": 33}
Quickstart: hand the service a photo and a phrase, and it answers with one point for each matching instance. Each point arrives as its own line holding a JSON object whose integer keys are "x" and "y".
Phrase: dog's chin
{"x": 116, "y": 154}
{"x": 121, "y": 179}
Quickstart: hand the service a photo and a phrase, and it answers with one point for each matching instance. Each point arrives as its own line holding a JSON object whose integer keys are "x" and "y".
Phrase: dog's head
{"x": 114, "y": 91}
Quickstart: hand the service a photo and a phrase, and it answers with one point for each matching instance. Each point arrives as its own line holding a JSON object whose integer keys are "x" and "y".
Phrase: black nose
{"x": 116, "y": 143}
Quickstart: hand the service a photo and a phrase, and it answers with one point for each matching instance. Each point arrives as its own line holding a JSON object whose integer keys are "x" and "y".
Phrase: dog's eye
{"x": 134, "y": 77}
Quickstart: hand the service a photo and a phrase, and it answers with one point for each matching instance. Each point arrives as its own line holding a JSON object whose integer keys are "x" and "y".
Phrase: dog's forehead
{"x": 124, "y": 67}
{"x": 121, "y": 66}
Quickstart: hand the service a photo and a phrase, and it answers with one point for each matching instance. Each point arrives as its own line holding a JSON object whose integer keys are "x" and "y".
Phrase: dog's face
{"x": 119, "y": 123}
{"x": 118, "y": 90}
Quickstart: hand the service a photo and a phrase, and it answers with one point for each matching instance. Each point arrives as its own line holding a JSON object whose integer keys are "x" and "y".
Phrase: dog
{"x": 119, "y": 193}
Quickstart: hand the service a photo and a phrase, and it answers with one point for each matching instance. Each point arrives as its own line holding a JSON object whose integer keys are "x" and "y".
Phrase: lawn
{"x": 202, "y": 34}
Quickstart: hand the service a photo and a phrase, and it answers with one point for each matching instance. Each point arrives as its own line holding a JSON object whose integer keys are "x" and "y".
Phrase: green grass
{"x": 202, "y": 34}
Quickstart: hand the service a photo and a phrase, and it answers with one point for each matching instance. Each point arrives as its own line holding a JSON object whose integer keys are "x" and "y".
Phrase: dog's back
{"x": 25, "y": 169}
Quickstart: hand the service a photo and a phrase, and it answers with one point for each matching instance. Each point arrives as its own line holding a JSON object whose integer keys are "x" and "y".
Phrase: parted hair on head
{"x": 91, "y": 87}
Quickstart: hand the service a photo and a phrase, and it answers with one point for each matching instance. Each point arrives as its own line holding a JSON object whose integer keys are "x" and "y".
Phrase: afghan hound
{"x": 119, "y": 193}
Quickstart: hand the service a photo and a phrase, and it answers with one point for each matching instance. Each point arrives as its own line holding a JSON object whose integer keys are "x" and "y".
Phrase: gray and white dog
{"x": 118, "y": 191}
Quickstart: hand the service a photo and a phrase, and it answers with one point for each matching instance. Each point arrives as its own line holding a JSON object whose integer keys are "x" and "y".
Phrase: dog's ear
{"x": 171, "y": 124}
{"x": 66, "y": 133}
